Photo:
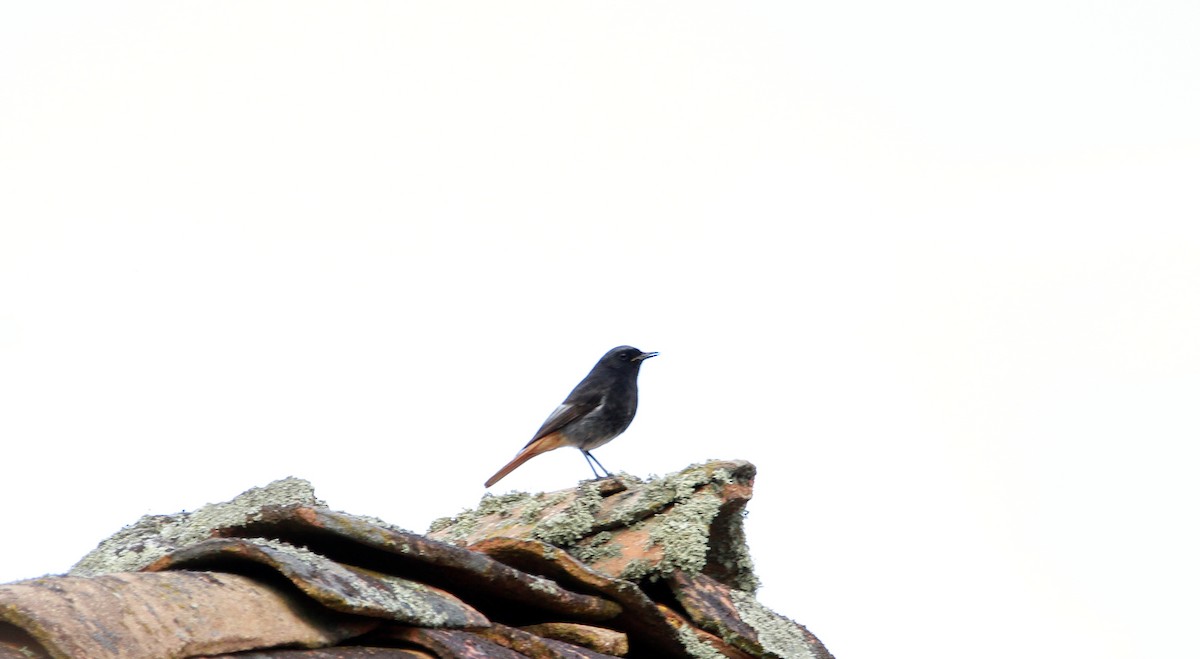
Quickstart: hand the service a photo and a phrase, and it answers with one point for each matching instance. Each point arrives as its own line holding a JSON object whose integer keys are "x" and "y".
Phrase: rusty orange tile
{"x": 600, "y": 639}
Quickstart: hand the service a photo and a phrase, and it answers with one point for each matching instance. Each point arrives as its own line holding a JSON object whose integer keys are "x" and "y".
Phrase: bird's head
{"x": 625, "y": 358}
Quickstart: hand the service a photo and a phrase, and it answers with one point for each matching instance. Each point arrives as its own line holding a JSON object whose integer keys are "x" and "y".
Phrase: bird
{"x": 598, "y": 409}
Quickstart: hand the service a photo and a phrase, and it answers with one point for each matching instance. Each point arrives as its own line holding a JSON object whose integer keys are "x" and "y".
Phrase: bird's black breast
{"x": 607, "y": 420}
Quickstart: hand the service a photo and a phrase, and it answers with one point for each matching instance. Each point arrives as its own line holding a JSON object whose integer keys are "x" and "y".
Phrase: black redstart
{"x": 598, "y": 409}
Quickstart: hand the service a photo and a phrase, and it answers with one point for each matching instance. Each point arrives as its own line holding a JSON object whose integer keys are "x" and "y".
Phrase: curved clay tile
{"x": 604, "y": 641}
{"x": 617, "y": 567}
{"x": 451, "y": 644}
{"x": 339, "y": 587}
{"x": 741, "y": 620}
{"x": 648, "y": 628}
{"x": 689, "y": 520}
{"x": 470, "y": 575}
{"x": 153, "y": 616}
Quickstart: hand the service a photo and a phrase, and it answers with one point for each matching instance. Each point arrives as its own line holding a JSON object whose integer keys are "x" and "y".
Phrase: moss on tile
{"x": 595, "y": 548}
{"x": 734, "y": 554}
{"x": 683, "y": 533}
{"x": 533, "y": 510}
{"x": 696, "y": 646}
{"x": 636, "y": 570}
{"x": 545, "y": 585}
{"x": 154, "y": 536}
{"x": 777, "y": 635}
{"x": 564, "y": 528}
{"x": 660, "y": 492}
{"x": 683, "y": 511}
{"x": 458, "y": 527}
{"x": 355, "y": 590}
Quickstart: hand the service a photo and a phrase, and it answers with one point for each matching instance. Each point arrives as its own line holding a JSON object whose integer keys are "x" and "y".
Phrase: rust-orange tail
{"x": 536, "y": 447}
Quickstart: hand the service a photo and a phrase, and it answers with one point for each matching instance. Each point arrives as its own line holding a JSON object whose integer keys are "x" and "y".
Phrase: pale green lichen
{"x": 525, "y": 507}
{"x": 545, "y": 585}
{"x": 456, "y": 528}
{"x": 564, "y": 528}
{"x": 685, "y": 514}
{"x": 721, "y": 478}
{"x": 440, "y": 524}
{"x": 683, "y": 534}
{"x": 358, "y": 591}
{"x": 627, "y": 478}
{"x": 734, "y": 555}
{"x": 531, "y": 514}
{"x": 693, "y": 519}
{"x": 595, "y": 548}
{"x": 636, "y": 570}
{"x": 658, "y": 493}
{"x": 462, "y": 525}
{"x": 155, "y": 536}
{"x": 377, "y": 523}
{"x": 777, "y": 635}
{"x": 503, "y": 504}
{"x": 696, "y": 646}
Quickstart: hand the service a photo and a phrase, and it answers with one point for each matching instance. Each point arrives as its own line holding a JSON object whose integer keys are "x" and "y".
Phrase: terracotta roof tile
{"x": 643, "y": 621}
{"x": 696, "y": 640}
{"x": 740, "y": 620}
{"x": 609, "y": 568}
{"x": 539, "y": 647}
{"x": 691, "y": 520}
{"x": 176, "y": 614}
{"x": 449, "y": 644}
{"x": 344, "y": 588}
{"x": 330, "y": 653}
{"x": 154, "y": 536}
{"x": 377, "y": 545}
{"x": 605, "y": 641}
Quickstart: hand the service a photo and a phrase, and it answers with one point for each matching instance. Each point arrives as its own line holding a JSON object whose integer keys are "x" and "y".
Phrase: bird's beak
{"x": 645, "y": 355}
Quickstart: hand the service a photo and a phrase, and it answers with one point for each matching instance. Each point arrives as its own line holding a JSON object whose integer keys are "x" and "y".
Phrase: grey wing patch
{"x": 565, "y": 414}
{"x": 561, "y": 412}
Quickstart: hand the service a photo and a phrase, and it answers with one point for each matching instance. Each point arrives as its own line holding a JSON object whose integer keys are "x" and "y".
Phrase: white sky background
{"x": 932, "y": 266}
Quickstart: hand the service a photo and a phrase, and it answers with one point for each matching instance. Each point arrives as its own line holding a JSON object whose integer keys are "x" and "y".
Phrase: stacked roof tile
{"x": 612, "y": 568}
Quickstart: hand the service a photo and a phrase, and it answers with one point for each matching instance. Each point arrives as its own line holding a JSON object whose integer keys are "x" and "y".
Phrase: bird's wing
{"x": 568, "y": 412}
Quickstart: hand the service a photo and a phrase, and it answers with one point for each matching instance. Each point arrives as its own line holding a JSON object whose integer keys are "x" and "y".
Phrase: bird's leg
{"x": 591, "y": 458}
{"x": 588, "y": 458}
